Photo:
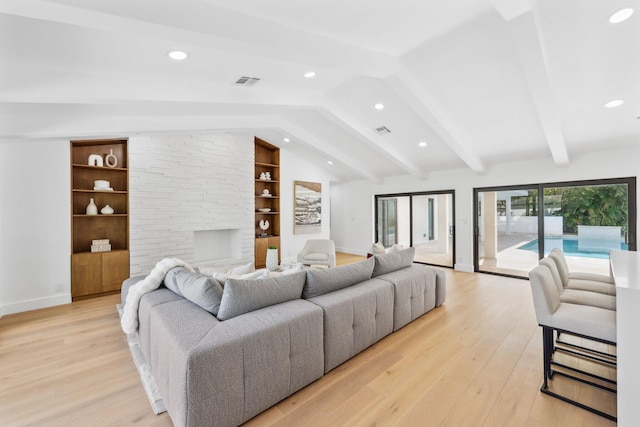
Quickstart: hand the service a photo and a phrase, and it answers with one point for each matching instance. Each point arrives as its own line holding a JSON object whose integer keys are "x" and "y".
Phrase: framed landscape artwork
{"x": 308, "y": 207}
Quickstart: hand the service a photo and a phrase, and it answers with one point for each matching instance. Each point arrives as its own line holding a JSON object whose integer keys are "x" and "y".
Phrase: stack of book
{"x": 100, "y": 245}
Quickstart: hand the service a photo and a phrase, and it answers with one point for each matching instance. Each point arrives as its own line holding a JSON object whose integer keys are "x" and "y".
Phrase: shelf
{"x": 105, "y": 252}
{"x": 267, "y": 181}
{"x": 267, "y": 213}
{"x": 267, "y": 165}
{"x": 100, "y": 215}
{"x": 101, "y": 168}
{"x": 266, "y": 237}
{"x": 99, "y": 191}
{"x": 267, "y": 197}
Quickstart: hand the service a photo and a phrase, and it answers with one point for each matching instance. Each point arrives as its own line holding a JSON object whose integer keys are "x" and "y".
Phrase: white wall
{"x": 293, "y": 168}
{"x": 352, "y": 212}
{"x": 35, "y": 225}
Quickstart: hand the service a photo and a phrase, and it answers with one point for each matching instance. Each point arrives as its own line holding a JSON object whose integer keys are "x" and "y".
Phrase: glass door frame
{"x": 631, "y": 218}
{"x": 420, "y": 193}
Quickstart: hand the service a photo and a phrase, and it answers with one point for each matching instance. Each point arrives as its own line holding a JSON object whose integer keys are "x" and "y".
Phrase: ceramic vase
{"x": 92, "y": 209}
{"x": 272, "y": 259}
{"x": 111, "y": 160}
{"x": 107, "y": 210}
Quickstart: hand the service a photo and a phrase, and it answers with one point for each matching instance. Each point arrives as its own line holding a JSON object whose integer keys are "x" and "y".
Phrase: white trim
{"x": 352, "y": 251}
{"x": 34, "y": 304}
{"x": 463, "y": 267}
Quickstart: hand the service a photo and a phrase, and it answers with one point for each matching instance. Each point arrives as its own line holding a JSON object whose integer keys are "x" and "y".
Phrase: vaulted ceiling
{"x": 479, "y": 81}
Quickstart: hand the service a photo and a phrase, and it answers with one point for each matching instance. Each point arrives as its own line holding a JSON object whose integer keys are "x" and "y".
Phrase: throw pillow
{"x": 377, "y": 248}
{"x": 392, "y": 261}
{"x": 202, "y": 290}
{"x": 322, "y": 281}
{"x": 242, "y": 296}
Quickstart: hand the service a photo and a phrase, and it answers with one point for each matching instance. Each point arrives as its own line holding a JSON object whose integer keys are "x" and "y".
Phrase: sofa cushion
{"x": 202, "y": 290}
{"x": 392, "y": 261}
{"x": 242, "y": 296}
{"x": 321, "y": 281}
{"x": 355, "y": 318}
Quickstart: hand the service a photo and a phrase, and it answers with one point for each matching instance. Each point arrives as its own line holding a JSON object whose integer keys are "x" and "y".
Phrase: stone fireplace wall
{"x": 181, "y": 186}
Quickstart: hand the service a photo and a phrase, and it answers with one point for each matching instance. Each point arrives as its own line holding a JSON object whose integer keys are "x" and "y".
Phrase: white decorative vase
{"x": 92, "y": 209}
{"x": 111, "y": 160}
{"x": 272, "y": 259}
{"x": 107, "y": 210}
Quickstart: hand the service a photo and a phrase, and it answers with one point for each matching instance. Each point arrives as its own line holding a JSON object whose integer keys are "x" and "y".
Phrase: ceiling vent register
{"x": 383, "y": 130}
{"x": 247, "y": 81}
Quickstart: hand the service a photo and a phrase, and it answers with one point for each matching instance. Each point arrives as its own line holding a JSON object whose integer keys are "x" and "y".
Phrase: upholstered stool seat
{"x": 585, "y": 321}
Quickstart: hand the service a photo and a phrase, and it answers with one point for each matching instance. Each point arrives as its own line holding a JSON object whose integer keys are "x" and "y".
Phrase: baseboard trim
{"x": 352, "y": 251}
{"x": 34, "y": 304}
{"x": 464, "y": 267}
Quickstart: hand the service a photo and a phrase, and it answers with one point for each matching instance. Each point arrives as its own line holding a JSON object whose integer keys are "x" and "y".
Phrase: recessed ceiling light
{"x": 379, "y": 106}
{"x": 422, "y": 144}
{"x": 330, "y": 162}
{"x": 621, "y": 15}
{"x": 310, "y": 74}
{"x": 614, "y": 103}
{"x": 286, "y": 140}
{"x": 177, "y": 55}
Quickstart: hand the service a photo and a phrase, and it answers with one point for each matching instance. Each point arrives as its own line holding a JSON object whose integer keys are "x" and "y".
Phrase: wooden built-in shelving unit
{"x": 99, "y": 273}
{"x": 267, "y": 160}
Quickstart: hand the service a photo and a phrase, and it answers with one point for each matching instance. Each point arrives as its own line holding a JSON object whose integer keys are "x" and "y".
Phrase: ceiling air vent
{"x": 247, "y": 81}
{"x": 383, "y": 130}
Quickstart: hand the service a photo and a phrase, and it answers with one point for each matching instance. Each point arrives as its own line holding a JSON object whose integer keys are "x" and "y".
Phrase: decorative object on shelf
{"x": 267, "y": 176}
{"x": 111, "y": 160}
{"x": 265, "y": 192}
{"x": 272, "y": 258}
{"x": 264, "y": 226}
{"x": 107, "y": 210}
{"x": 101, "y": 248}
{"x": 95, "y": 160}
{"x": 102, "y": 185}
{"x": 308, "y": 207}
{"x": 263, "y": 176}
{"x": 92, "y": 209}
{"x": 264, "y": 210}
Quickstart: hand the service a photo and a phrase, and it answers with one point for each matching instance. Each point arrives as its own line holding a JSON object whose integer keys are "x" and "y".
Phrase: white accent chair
{"x": 318, "y": 252}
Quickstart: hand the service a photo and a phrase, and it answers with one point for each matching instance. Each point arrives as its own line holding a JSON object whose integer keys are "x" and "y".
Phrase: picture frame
{"x": 307, "y": 207}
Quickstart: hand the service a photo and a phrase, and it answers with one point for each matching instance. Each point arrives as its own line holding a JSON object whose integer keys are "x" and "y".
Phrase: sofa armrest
{"x": 223, "y": 373}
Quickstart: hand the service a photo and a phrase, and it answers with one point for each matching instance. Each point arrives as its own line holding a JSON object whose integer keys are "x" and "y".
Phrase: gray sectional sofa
{"x": 278, "y": 334}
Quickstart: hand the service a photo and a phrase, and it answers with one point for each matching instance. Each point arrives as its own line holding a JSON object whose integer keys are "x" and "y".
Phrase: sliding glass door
{"x": 507, "y": 220}
{"x": 517, "y": 226}
{"x": 422, "y": 220}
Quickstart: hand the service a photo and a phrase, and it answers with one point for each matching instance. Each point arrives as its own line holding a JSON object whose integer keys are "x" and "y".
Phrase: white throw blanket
{"x": 129, "y": 319}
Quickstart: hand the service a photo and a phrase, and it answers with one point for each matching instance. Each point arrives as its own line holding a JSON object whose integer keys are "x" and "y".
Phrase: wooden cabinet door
{"x": 115, "y": 269}
{"x": 86, "y": 274}
{"x": 262, "y": 244}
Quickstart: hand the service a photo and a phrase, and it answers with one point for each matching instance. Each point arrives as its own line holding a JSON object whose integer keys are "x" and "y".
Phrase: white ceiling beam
{"x": 304, "y": 136}
{"x": 416, "y": 95}
{"x": 346, "y": 121}
{"x": 530, "y": 48}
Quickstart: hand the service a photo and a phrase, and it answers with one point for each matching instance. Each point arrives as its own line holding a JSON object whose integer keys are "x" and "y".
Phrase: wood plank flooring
{"x": 475, "y": 361}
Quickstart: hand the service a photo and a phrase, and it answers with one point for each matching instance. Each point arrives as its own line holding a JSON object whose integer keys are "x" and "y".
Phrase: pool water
{"x": 569, "y": 247}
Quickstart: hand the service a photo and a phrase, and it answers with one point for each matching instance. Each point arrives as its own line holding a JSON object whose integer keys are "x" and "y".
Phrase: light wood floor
{"x": 475, "y": 361}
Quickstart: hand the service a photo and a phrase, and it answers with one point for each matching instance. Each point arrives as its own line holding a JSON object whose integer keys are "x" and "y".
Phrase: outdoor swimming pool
{"x": 569, "y": 246}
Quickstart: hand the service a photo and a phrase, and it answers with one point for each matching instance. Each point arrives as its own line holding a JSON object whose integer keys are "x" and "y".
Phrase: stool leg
{"x": 547, "y": 351}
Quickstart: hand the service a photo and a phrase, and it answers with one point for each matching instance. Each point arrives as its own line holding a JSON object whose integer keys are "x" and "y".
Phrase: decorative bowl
{"x": 100, "y": 183}
{"x": 264, "y": 209}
